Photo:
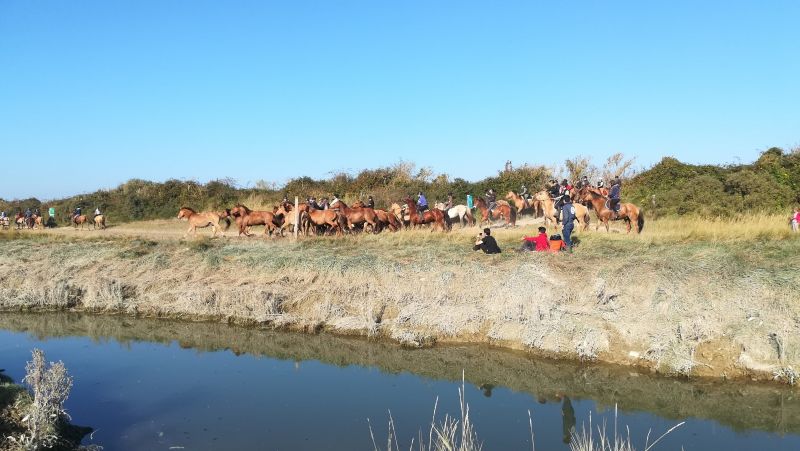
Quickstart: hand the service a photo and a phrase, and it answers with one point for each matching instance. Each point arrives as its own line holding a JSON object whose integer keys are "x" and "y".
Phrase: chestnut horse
{"x": 521, "y": 204}
{"x": 246, "y": 218}
{"x": 80, "y": 221}
{"x": 357, "y": 216}
{"x": 503, "y": 209}
{"x": 385, "y": 219}
{"x": 439, "y": 219}
{"x": 195, "y": 219}
{"x": 329, "y": 219}
{"x": 628, "y": 212}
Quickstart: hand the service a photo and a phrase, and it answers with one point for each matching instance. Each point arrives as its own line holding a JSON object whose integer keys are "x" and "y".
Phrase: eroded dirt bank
{"x": 685, "y": 309}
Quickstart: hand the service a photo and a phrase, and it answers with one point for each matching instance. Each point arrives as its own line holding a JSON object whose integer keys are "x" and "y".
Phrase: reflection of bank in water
{"x": 771, "y": 408}
{"x": 567, "y": 420}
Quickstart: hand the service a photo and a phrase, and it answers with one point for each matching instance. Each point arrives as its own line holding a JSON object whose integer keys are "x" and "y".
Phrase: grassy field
{"x": 687, "y": 296}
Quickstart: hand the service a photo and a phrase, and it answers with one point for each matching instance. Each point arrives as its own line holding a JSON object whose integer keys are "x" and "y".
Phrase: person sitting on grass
{"x": 486, "y": 243}
{"x": 538, "y": 243}
{"x": 556, "y": 243}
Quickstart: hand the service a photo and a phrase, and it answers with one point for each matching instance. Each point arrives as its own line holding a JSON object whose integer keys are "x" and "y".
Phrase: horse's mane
{"x": 243, "y": 207}
{"x": 187, "y": 208}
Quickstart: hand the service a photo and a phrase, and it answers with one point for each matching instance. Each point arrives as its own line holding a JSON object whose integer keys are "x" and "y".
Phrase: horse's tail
{"x": 513, "y": 214}
{"x": 640, "y": 222}
{"x": 470, "y": 218}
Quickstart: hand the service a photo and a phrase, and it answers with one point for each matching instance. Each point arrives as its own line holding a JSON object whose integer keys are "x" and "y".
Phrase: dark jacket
{"x": 568, "y": 214}
{"x": 614, "y": 192}
{"x": 488, "y": 245}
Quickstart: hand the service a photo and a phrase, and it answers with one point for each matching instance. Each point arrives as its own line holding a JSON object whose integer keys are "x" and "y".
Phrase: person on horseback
{"x": 449, "y": 204}
{"x": 525, "y": 195}
{"x": 324, "y": 204}
{"x": 422, "y": 203}
{"x": 556, "y": 195}
{"x": 335, "y": 200}
{"x": 601, "y": 184}
{"x": 28, "y": 213}
{"x": 614, "y": 197}
{"x": 370, "y": 202}
{"x": 491, "y": 200}
{"x": 584, "y": 182}
{"x": 76, "y": 213}
{"x": 312, "y": 203}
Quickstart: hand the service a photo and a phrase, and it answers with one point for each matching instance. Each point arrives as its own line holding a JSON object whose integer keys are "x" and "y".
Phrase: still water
{"x": 147, "y": 384}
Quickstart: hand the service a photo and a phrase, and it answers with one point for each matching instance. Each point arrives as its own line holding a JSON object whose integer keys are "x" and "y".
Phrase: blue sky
{"x": 93, "y": 93}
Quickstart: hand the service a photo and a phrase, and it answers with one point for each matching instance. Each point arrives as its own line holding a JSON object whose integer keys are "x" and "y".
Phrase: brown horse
{"x": 628, "y": 212}
{"x": 385, "y": 219}
{"x": 201, "y": 220}
{"x": 80, "y": 221}
{"x": 246, "y": 218}
{"x": 358, "y": 216}
{"x": 521, "y": 204}
{"x": 435, "y": 216}
{"x": 99, "y": 222}
{"x": 329, "y": 220}
{"x": 502, "y": 210}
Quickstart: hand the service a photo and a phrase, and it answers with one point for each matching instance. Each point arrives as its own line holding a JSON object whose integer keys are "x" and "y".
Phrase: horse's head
{"x": 185, "y": 212}
{"x": 358, "y": 204}
{"x": 511, "y": 195}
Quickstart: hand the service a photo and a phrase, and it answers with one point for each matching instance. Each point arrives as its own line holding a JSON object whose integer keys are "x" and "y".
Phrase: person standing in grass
{"x": 568, "y": 212}
{"x": 486, "y": 243}
{"x": 795, "y": 219}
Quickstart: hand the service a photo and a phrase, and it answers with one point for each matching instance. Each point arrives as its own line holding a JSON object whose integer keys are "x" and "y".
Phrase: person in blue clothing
{"x": 422, "y": 203}
{"x": 568, "y": 215}
{"x": 614, "y": 196}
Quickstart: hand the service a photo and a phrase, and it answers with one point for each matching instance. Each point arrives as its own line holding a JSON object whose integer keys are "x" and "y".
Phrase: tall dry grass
{"x": 459, "y": 433}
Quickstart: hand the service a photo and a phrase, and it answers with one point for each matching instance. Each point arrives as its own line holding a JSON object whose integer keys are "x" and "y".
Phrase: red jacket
{"x": 541, "y": 241}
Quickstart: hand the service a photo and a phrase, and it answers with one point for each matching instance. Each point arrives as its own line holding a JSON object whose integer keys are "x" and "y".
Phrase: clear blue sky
{"x": 93, "y": 93}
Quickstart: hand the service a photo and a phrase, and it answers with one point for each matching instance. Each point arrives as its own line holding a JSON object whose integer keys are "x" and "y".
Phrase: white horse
{"x": 458, "y": 213}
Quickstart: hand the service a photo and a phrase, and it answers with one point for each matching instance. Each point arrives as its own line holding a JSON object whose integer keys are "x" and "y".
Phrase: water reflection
{"x": 769, "y": 407}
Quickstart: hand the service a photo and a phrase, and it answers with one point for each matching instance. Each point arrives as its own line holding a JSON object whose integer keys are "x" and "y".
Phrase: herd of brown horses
{"x": 341, "y": 218}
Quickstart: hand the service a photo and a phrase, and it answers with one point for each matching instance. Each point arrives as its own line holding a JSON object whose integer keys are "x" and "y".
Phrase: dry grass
{"x": 459, "y": 434}
{"x": 715, "y": 299}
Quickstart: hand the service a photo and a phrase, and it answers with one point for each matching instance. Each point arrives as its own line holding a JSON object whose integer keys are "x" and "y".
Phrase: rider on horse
{"x": 525, "y": 195}
{"x": 491, "y": 200}
{"x": 97, "y": 212}
{"x": 76, "y": 213}
{"x": 422, "y": 203}
{"x": 449, "y": 204}
{"x": 370, "y": 202}
{"x": 614, "y": 197}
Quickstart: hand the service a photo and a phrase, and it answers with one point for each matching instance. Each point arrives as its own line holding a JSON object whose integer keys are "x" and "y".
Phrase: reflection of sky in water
{"x": 153, "y": 396}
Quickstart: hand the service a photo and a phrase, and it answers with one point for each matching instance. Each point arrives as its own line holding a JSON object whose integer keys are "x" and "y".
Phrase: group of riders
{"x": 28, "y": 218}
{"x": 558, "y": 192}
